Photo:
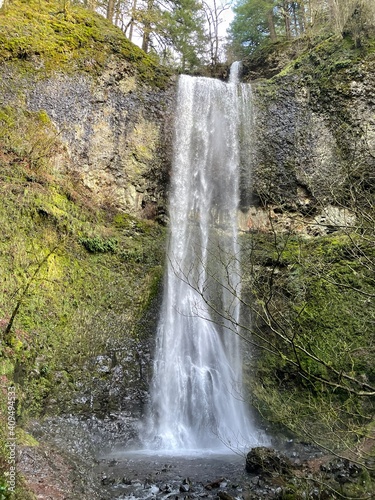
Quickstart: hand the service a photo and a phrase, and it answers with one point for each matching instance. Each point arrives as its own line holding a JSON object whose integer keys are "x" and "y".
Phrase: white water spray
{"x": 196, "y": 391}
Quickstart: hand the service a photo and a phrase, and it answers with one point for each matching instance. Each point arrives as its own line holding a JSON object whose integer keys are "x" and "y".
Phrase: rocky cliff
{"x": 116, "y": 133}
{"x": 307, "y": 208}
{"x": 314, "y": 133}
{"x": 109, "y": 105}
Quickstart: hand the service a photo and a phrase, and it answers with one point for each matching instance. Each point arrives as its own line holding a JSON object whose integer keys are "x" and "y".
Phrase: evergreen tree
{"x": 254, "y": 23}
{"x": 185, "y": 30}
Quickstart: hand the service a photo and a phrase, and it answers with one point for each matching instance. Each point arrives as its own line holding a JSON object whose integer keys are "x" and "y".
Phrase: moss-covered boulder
{"x": 267, "y": 461}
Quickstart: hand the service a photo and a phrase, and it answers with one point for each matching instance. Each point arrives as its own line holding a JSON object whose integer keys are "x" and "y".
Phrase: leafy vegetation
{"x": 308, "y": 314}
{"x": 75, "y": 34}
{"x": 99, "y": 245}
{"x": 312, "y": 304}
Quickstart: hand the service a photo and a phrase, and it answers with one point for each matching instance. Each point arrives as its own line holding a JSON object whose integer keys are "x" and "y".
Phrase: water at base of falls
{"x": 196, "y": 391}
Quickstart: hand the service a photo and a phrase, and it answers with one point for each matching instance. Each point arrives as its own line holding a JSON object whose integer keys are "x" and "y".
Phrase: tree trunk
{"x": 271, "y": 25}
{"x": 117, "y": 13}
{"x": 286, "y": 19}
{"x": 110, "y": 10}
{"x": 301, "y": 17}
{"x": 334, "y": 15}
{"x": 146, "y": 37}
{"x": 147, "y": 26}
{"x": 131, "y": 29}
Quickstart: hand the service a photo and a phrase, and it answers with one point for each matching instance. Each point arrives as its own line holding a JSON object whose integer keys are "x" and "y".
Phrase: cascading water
{"x": 196, "y": 400}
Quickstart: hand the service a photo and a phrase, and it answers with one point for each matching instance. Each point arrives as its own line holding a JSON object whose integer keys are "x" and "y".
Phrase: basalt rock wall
{"x": 313, "y": 137}
{"x": 115, "y": 132}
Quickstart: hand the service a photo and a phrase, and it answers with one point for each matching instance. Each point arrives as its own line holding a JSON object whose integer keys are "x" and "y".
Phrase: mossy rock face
{"x": 85, "y": 140}
{"x": 310, "y": 300}
{"x": 85, "y": 289}
{"x": 313, "y": 128}
{"x": 43, "y": 38}
{"x": 115, "y": 143}
{"x": 107, "y": 106}
{"x": 79, "y": 285}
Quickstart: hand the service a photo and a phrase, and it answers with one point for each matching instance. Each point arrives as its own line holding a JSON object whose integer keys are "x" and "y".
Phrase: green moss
{"x": 317, "y": 292}
{"x": 62, "y": 261}
{"x": 79, "y": 278}
{"x": 25, "y": 439}
{"x": 326, "y": 68}
{"x": 99, "y": 245}
{"x": 37, "y": 34}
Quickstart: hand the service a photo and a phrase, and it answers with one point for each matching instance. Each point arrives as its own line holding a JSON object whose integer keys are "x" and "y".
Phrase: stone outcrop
{"x": 310, "y": 137}
{"x": 115, "y": 133}
{"x": 267, "y": 461}
{"x": 314, "y": 132}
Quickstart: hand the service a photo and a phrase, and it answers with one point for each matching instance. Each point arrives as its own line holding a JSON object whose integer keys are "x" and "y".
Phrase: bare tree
{"x": 214, "y": 16}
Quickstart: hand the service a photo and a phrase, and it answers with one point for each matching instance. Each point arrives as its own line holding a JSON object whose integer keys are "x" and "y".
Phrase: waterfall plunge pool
{"x": 127, "y": 475}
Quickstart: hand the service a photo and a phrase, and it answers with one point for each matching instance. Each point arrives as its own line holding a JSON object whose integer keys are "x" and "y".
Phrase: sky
{"x": 227, "y": 19}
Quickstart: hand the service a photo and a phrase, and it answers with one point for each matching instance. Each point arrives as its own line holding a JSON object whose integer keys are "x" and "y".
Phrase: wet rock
{"x": 342, "y": 478}
{"x": 341, "y": 467}
{"x": 342, "y": 470}
{"x": 154, "y": 489}
{"x": 354, "y": 469}
{"x": 167, "y": 488}
{"x": 103, "y": 364}
{"x": 214, "y": 484}
{"x": 185, "y": 486}
{"x": 223, "y": 495}
{"x": 267, "y": 461}
{"x": 106, "y": 481}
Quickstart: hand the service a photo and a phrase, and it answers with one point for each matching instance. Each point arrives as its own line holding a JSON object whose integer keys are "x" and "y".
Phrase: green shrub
{"x": 99, "y": 245}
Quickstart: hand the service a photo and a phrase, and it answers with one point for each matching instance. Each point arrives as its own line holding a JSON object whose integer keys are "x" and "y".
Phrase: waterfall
{"x": 196, "y": 391}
